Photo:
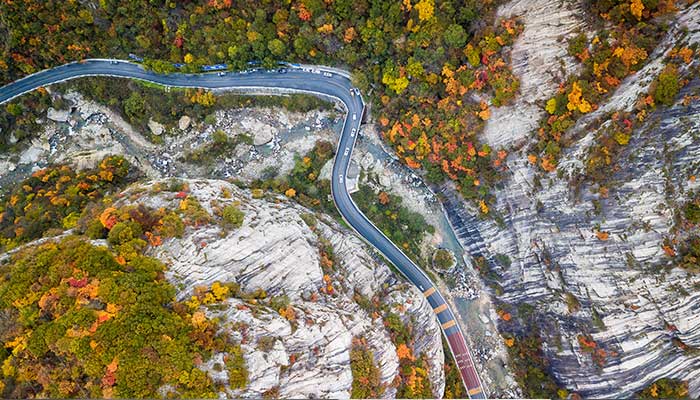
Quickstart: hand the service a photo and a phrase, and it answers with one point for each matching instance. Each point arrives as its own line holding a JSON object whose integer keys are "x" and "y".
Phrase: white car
{"x": 327, "y": 74}
{"x": 347, "y": 150}
{"x": 352, "y": 134}
{"x": 354, "y": 117}
{"x": 221, "y": 73}
{"x": 340, "y": 178}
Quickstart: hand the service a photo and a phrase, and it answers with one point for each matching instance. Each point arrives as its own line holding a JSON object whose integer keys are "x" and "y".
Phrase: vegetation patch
{"x": 365, "y": 374}
{"x": 68, "y": 305}
{"x": 399, "y": 224}
{"x": 54, "y": 198}
{"x": 607, "y": 58}
{"x": 665, "y": 388}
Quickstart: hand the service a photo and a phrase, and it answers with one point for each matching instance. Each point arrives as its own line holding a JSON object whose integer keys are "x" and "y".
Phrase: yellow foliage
{"x": 602, "y": 235}
{"x": 220, "y": 291}
{"x": 290, "y": 192}
{"x": 425, "y": 8}
{"x": 636, "y": 8}
{"x": 325, "y": 29}
{"x": 198, "y": 318}
{"x": 576, "y": 100}
{"x": 686, "y": 54}
{"x": 485, "y": 113}
{"x": 509, "y": 342}
{"x": 551, "y": 106}
{"x": 484, "y": 208}
{"x": 288, "y": 313}
{"x": 349, "y": 34}
{"x": 403, "y": 352}
{"x": 189, "y": 58}
{"x": 7, "y": 368}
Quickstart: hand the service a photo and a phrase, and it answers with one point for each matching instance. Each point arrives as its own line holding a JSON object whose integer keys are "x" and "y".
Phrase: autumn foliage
{"x": 53, "y": 198}
{"x": 607, "y": 57}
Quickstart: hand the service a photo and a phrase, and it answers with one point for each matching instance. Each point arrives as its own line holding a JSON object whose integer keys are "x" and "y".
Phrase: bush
{"x": 123, "y": 232}
{"x": 233, "y": 217}
{"x": 667, "y": 86}
{"x": 443, "y": 259}
{"x": 691, "y": 211}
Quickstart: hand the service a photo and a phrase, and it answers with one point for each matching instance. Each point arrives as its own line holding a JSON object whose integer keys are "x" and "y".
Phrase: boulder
{"x": 263, "y": 135}
{"x": 58, "y": 115}
{"x": 184, "y": 122}
{"x": 155, "y": 127}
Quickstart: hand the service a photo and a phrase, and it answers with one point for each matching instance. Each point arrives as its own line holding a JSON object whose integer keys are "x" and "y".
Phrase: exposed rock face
{"x": 553, "y": 246}
{"x": 275, "y": 250}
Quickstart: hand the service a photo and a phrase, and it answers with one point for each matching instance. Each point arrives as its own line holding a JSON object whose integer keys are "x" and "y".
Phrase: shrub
{"x": 233, "y": 217}
{"x": 667, "y": 86}
{"x": 443, "y": 259}
{"x": 123, "y": 232}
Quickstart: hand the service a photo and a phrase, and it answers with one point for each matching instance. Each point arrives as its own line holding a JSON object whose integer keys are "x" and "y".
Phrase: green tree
{"x": 667, "y": 86}
{"x": 135, "y": 106}
{"x": 277, "y": 47}
{"x": 455, "y": 36}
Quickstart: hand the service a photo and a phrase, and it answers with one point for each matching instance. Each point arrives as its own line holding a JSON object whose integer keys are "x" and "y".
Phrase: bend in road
{"x": 306, "y": 79}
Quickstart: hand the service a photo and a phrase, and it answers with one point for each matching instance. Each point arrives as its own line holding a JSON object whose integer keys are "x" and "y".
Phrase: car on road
{"x": 221, "y": 73}
{"x": 354, "y": 116}
{"x": 282, "y": 71}
{"x": 347, "y": 150}
{"x": 352, "y": 134}
{"x": 340, "y": 178}
{"x": 114, "y": 62}
{"x": 327, "y": 74}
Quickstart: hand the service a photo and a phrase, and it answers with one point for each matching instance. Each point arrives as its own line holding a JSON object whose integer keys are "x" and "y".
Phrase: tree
{"x": 455, "y": 36}
{"x": 667, "y": 86}
{"x": 277, "y": 47}
{"x": 135, "y": 106}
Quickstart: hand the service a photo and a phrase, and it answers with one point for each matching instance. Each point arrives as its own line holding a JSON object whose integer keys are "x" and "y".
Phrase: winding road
{"x": 318, "y": 81}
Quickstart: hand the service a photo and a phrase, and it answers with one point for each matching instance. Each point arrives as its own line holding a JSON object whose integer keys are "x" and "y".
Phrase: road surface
{"x": 306, "y": 79}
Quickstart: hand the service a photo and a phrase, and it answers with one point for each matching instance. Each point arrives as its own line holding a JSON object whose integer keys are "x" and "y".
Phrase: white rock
{"x": 184, "y": 122}
{"x": 58, "y": 115}
{"x": 156, "y": 127}
{"x": 276, "y": 251}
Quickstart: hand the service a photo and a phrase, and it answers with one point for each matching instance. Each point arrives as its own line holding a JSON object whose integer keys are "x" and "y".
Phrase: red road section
{"x": 465, "y": 364}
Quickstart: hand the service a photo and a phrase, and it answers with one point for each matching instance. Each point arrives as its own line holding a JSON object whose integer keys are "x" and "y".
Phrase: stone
{"x": 184, "y": 122}
{"x": 58, "y": 115}
{"x": 156, "y": 127}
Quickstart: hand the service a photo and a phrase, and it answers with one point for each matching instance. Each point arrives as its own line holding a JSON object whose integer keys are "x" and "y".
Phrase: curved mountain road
{"x": 306, "y": 79}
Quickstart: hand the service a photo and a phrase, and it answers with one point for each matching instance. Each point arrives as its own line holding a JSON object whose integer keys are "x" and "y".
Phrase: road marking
{"x": 442, "y": 307}
{"x": 449, "y": 324}
{"x": 474, "y": 391}
{"x": 428, "y": 292}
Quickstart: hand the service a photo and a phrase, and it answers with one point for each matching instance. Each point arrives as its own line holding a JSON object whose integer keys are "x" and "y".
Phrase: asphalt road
{"x": 312, "y": 80}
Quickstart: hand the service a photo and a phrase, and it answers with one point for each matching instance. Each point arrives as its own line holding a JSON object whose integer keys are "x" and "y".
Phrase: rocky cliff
{"x": 615, "y": 290}
{"x": 277, "y": 251}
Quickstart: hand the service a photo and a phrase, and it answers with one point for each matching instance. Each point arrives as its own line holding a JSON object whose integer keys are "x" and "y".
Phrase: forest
{"x": 422, "y": 63}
